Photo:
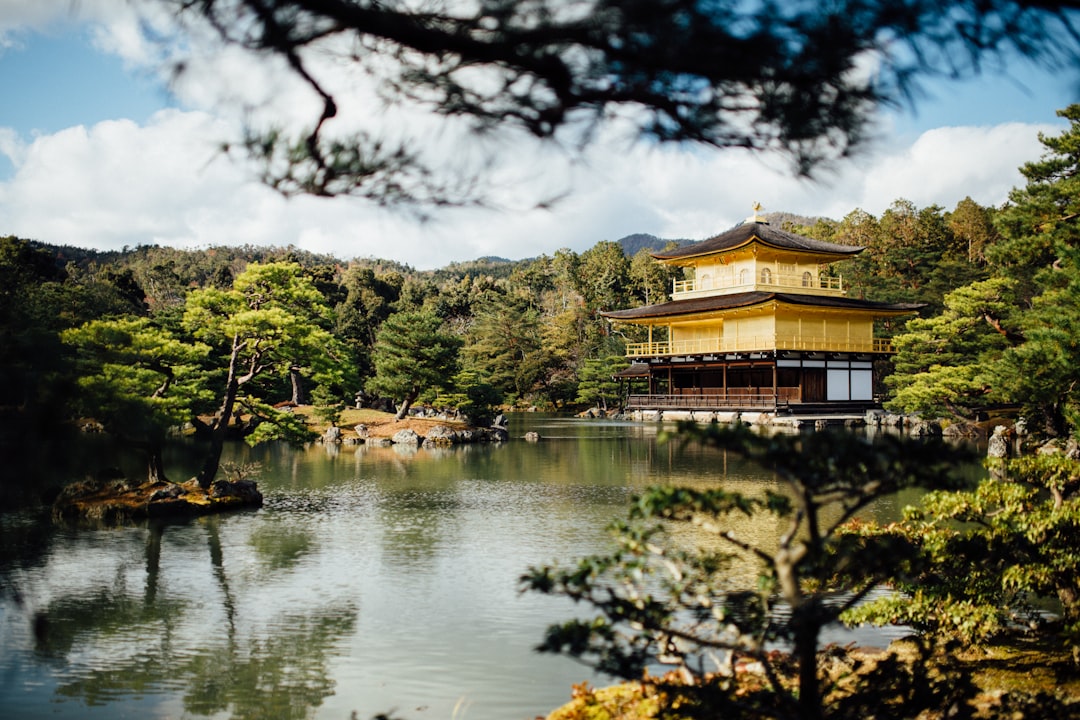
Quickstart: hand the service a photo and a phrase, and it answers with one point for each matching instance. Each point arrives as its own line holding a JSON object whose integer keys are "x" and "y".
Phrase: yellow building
{"x": 758, "y": 325}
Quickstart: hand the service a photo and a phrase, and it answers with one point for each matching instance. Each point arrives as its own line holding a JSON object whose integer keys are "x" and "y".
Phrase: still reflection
{"x": 185, "y": 634}
{"x": 373, "y": 580}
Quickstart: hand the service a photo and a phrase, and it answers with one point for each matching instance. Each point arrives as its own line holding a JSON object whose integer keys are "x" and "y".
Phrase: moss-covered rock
{"x": 116, "y": 501}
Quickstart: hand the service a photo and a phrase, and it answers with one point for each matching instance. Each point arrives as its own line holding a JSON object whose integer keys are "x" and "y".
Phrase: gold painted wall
{"x": 743, "y": 267}
{"x": 695, "y": 332}
{"x": 759, "y": 330}
{"x": 824, "y": 330}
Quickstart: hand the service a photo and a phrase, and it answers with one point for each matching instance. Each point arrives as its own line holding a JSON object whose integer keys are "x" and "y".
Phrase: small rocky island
{"x": 115, "y": 500}
{"x": 110, "y": 498}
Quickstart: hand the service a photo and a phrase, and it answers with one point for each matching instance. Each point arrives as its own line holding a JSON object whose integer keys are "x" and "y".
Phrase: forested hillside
{"x": 526, "y": 328}
{"x": 511, "y": 333}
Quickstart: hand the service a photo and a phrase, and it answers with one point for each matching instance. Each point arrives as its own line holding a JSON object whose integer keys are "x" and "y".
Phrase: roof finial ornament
{"x": 755, "y": 218}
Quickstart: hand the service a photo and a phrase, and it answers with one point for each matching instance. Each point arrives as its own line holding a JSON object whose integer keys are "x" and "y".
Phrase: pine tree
{"x": 412, "y": 354}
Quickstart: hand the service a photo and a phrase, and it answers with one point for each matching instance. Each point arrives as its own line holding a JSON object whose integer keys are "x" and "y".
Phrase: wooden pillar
{"x": 774, "y": 374}
{"x": 725, "y": 393}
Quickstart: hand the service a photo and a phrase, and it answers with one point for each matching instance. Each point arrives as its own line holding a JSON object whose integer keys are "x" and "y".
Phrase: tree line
{"x": 152, "y": 337}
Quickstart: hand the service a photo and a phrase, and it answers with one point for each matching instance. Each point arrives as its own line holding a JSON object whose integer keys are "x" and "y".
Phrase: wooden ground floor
{"x": 753, "y": 381}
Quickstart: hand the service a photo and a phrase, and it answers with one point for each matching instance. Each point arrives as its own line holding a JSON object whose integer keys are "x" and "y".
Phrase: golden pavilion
{"x": 761, "y": 324}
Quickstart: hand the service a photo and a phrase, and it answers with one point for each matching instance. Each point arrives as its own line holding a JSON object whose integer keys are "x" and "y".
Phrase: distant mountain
{"x": 785, "y": 220}
{"x": 632, "y": 244}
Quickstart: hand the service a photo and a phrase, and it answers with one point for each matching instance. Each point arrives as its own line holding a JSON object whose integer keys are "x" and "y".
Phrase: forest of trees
{"x": 529, "y": 329}
{"x": 153, "y": 333}
{"x": 146, "y": 332}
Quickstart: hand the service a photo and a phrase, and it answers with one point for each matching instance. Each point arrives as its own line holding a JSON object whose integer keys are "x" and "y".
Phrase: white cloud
{"x": 36, "y": 15}
{"x": 946, "y": 164}
{"x": 11, "y": 146}
{"x": 118, "y": 183}
{"x": 700, "y": 193}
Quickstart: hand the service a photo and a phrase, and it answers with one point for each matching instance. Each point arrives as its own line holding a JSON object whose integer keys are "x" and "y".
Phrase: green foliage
{"x": 603, "y": 276}
{"x": 327, "y": 408}
{"x": 651, "y": 280}
{"x": 972, "y": 226}
{"x": 273, "y": 321}
{"x": 660, "y": 602}
{"x": 412, "y": 353}
{"x": 368, "y": 300}
{"x": 1012, "y": 338}
{"x": 912, "y": 254}
{"x": 1042, "y": 373}
{"x": 270, "y": 423}
{"x": 988, "y": 555}
{"x": 506, "y": 346}
{"x": 40, "y": 296}
{"x": 472, "y": 396}
{"x": 945, "y": 364}
{"x": 30, "y": 315}
{"x": 137, "y": 378}
{"x": 596, "y": 385}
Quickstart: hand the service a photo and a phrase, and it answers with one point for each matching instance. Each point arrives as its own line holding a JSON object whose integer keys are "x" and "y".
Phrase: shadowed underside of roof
{"x": 714, "y": 303}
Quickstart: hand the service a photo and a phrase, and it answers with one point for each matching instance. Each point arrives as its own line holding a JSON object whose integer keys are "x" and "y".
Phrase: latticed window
{"x": 807, "y": 279}
{"x": 766, "y": 276}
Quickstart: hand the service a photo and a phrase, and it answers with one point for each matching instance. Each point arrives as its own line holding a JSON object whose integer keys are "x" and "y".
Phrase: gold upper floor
{"x": 756, "y": 268}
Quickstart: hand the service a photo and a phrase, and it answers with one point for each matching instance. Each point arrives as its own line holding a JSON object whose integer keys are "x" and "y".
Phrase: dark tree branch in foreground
{"x": 787, "y": 76}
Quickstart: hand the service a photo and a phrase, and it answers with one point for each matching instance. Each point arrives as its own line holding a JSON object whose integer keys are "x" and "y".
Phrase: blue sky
{"x": 60, "y": 80}
{"x": 88, "y": 158}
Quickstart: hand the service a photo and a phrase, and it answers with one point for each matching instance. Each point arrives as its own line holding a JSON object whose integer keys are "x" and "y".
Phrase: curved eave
{"x": 688, "y": 258}
{"x": 744, "y": 235}
{"x": 719, "y": 303}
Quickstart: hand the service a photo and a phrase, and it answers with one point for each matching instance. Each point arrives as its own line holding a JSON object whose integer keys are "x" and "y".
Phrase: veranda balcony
{"x": 717, "y": 398}
{"x": 765, "y": 280}
{"x": 757, "y": 343}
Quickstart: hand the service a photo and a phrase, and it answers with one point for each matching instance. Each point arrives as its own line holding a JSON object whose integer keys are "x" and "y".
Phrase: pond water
{"x": 374, "y": 580}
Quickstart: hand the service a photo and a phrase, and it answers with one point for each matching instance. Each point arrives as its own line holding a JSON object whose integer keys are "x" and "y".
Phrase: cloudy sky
{"x": 98, "y": 149}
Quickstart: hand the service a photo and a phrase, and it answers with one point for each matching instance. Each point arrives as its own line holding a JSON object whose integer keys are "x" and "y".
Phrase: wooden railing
{"x": 819, "y": 286}
{"x": 716, "y": 398}
{"x": 756, "y": 343}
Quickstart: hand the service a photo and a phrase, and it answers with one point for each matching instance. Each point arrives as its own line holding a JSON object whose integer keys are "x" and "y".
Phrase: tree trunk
{"x": 153, "y": 562}
{"x": 807, "y": 622}
{"x": 1069, "y": 597}
{"x": 155, "y": 465}
{"x": 299, "y": 394}
{"x": 406, "y": 404}
{"x": 221, "y": 424}
{"x": 217, "y": 439}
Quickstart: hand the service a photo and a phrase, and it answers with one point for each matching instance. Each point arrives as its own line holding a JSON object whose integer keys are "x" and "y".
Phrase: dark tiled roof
{"x": 636, "y": 370}
{"x": 713, "y": 303}
{"x": 774, "y": 237}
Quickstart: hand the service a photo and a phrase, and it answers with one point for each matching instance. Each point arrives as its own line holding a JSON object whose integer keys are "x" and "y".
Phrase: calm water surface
{"x": 373, "y": 580}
